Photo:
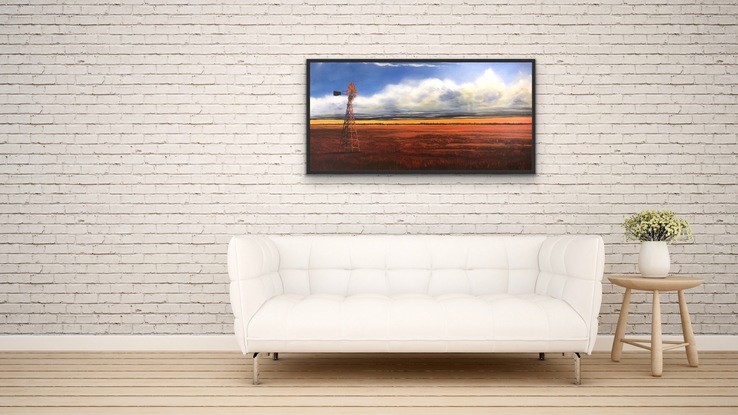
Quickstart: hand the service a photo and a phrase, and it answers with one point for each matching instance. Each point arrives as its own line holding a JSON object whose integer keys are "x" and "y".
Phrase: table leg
{"x": 657, "y": 348}
{"x": 692, "y": 357}
{"x": 617, "y": 344}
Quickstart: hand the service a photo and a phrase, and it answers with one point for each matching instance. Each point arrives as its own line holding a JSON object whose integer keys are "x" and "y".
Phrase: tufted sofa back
{"x": 392, "y": 265}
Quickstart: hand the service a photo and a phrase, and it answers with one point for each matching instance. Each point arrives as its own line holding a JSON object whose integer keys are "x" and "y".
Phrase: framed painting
{"x": 420, "y": 116}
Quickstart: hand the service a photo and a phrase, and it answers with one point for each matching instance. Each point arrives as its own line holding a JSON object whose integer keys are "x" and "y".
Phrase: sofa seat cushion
{"x": 415, "y": 317}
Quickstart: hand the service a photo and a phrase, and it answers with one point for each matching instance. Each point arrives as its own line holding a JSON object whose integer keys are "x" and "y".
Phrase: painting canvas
{"x": 420, "y": 116}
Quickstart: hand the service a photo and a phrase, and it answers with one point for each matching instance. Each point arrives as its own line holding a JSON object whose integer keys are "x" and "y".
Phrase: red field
{"x": 406, "y": 146}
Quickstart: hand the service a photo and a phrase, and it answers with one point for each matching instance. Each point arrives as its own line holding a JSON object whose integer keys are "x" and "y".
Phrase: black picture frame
{"x": 478, "y": 118}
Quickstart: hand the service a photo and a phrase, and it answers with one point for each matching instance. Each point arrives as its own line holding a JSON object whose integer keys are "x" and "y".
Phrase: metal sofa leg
{"x": 577, "y": 369}
{"x": 255, "y": 379}
{"x": 541, "y": 356}
{"x": 275, "y": 356}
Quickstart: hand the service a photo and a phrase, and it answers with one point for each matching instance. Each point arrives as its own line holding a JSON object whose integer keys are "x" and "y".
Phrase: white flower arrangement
{"x": 657, "y": 225}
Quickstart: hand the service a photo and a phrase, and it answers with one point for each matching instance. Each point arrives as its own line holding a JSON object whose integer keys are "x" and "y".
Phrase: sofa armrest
{"x": 571, "y": 269}
{"x": 253, "y": 264}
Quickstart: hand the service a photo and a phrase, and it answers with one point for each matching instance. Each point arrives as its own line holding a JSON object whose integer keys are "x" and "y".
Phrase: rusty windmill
{"x": 349, "y": 137}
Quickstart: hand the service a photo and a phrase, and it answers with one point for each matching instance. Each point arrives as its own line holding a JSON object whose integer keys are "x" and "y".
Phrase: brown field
{"x": 495, "y": 120}
{"x": 412, "y": 145}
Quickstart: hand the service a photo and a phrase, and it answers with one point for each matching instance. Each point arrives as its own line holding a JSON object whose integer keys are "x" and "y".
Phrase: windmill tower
{"x": 349, "y": 137}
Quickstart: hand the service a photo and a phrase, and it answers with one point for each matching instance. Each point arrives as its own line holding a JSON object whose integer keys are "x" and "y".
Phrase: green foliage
{"x": 656, "y": 225}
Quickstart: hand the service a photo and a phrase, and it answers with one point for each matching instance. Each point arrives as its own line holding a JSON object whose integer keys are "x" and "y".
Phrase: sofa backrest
{"x": 392, "y": 265}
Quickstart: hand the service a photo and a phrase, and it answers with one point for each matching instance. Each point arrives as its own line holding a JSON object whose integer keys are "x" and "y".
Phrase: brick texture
{"x": 137, "y": 137}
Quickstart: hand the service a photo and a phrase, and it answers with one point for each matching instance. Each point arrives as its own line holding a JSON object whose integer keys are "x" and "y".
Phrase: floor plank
{"x": 403, "y": 384}
{"x": 375, "y": 391}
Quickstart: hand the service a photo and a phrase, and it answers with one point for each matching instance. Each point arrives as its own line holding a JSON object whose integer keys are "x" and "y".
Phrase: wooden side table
{"x": 657, "y": 346}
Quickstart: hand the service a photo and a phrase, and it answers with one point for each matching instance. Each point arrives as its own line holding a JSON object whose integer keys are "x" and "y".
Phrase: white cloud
{"x": 486, "y": 95}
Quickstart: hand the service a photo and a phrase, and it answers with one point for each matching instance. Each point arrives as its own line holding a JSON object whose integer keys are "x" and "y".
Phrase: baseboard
{"x": 228, "y": 343}
{"x": 122, "y": 343}
{"x": 705, "y": 342}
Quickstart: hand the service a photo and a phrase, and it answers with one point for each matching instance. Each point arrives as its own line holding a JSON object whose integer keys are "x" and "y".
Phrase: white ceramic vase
{"x": 654, "y": 261}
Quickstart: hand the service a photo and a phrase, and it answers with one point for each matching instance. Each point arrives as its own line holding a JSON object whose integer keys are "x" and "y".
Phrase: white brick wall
{"x": 137, "y": 138}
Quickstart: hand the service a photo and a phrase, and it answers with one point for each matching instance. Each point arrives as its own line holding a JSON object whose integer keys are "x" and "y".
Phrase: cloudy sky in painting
{"x": 422, "y": 89}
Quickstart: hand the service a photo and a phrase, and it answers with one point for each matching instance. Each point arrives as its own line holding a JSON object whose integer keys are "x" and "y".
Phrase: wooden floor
{"x": 220, "y": 383}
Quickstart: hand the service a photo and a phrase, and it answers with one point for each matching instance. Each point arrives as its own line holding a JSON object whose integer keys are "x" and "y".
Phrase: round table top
{"x": 651, "y": 284}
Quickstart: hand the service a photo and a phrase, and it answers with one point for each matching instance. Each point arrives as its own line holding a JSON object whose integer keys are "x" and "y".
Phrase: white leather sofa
{"x": 416, "y": 294}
